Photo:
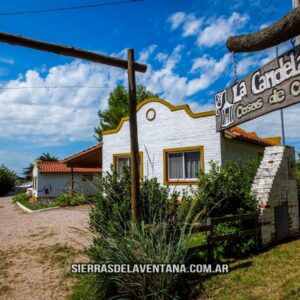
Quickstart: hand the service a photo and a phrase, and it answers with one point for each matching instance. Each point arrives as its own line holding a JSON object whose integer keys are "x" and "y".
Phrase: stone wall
{"x": 275, "y": 186}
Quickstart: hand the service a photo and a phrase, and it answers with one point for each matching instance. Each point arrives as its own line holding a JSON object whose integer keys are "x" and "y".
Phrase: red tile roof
{"x": 59, "y": 167}
{"x": 251, "y": 137}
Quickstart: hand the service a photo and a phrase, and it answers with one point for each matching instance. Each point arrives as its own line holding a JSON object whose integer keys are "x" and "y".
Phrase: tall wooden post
{"x": 135, "y": 170}
{"x": 72, "y": 180}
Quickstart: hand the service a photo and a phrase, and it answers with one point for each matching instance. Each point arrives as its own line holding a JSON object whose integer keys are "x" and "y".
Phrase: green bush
{"x": 226, "y": 190}
{"x": 112, "y": 203}
{"x": 67, "y": 199}
{"x": 141, "y": 245}
{"x": 233, "y": 248}
{"x": 7, "y": 180}
{"x": 21, "y": 197}
{"x": 117, "y": 240}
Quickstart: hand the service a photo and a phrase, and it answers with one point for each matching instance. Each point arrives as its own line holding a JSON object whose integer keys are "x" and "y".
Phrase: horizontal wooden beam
{"x": 286, "y": 28}
{"x": 69, "y": 51}
{"x": 241, "y": 217}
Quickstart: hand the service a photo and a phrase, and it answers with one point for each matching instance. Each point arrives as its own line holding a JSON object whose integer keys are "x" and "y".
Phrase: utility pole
{"x": 134, "y": 165}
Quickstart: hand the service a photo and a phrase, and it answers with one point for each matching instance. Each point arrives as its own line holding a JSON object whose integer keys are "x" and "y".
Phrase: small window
{"x": 87, "y": 177}
{"x": 183, "y": 165}
{"x": 123, "y": 160}
{"x": 121, "y": 163}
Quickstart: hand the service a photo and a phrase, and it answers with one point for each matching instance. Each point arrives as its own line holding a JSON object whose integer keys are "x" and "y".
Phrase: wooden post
{"x": 258, "y": 238}
{"x": 72, "y": 180}
{"x": 135, "y": 170}
{"x": 210, "y": 249}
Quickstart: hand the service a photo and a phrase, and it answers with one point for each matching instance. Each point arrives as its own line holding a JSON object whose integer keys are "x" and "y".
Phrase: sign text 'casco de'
{"x": 274, "y": 86}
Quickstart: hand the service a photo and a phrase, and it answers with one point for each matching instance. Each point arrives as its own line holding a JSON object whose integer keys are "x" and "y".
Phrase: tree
{"x": 7, "y": 180}
{"x": 47, "y": 157}
{"x": 118, "y": 107}
{"x": 27, "y": 172}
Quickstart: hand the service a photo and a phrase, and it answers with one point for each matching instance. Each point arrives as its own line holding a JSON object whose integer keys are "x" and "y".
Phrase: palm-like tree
{"x": 27, "y": 172}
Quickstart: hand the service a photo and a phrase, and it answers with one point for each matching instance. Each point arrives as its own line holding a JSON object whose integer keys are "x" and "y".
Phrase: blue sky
{"x": 183, "y": 43}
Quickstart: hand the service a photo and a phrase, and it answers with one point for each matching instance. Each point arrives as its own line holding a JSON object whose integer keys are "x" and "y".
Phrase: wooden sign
{"x": 274, "y": 86}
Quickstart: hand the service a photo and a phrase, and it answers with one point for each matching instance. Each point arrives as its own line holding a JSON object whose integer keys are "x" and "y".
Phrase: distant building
{"x": 50, "y": 179}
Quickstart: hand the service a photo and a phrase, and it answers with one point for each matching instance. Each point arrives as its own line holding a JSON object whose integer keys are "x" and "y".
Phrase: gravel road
{"x": 36, "y": 250}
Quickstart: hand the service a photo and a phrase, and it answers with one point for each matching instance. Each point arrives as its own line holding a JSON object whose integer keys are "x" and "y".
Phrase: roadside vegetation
{"x": 7, "y": 180}
{"x": 65, "y": 199}
{"x": 164, "y": 235}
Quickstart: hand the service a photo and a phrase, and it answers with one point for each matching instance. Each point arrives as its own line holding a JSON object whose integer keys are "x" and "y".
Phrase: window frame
{"x": 126, "y": 155}
{"x": 84, "y": 176}
{"x": 181, "y": 181}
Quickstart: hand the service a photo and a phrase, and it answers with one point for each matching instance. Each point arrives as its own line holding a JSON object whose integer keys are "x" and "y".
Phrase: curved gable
{"x": 172, "y": 107}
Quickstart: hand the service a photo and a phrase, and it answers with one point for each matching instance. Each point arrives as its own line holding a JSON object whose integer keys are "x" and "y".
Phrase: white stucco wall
{"x": 57, "y": 183}
{"x": 170, "y": 129}
{"x": 233, "y": 149}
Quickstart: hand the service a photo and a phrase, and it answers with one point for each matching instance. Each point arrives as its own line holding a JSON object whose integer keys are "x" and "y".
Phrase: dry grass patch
{"x": 57, "y": 255}
{"x": 274, "y": 274}
{"x": 4, "y": 287}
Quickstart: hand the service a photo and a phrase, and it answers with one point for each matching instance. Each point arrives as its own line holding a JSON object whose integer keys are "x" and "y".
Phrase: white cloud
{"x": 210, "y": 70}
{"x": 166, "y": 81}
{"x": 191, "y": 25}
{"x": 214, "y": 30}
{"x": 161, "y": 57}
{"x": 6, "y": 60}
{"x": 144, "y": 55}
{"x": 218, "y": 30}
{"x": 48, "y": 116}
{"x": 176, "y": 19}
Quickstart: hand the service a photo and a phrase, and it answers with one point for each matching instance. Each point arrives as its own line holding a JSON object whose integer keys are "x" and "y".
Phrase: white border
{"x": 28, "y": 210}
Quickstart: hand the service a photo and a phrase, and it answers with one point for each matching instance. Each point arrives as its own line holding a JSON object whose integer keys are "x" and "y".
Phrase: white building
{"x": 51, "y": 179}
{"x": 175, "y": 143}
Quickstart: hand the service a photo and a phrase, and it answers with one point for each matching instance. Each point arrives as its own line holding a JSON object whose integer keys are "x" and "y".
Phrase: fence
{"x": 213, "y": 239}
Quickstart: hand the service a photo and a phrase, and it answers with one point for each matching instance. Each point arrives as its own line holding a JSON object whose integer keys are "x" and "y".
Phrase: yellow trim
{"x": 276, "y": 140}
{"x": 185, "y": 107}
{"x": 182, "y": 149}
{"x": 115, "y": 156}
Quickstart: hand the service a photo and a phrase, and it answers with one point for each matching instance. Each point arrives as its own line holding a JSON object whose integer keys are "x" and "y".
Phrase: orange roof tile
{"x": 59, "y": 167}
{"x": 251, "y": 137}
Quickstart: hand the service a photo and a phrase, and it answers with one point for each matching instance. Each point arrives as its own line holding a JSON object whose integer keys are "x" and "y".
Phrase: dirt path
{"x": 37, "y": 249}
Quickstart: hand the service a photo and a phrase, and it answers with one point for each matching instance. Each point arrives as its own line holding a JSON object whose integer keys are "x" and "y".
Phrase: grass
{"x": 274, "y": 274}
{"x": 58, "y": 254}
{"x": 36, "y": 205}
{"x": 84, "y": 288}
{"x": 62, "y": 200}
